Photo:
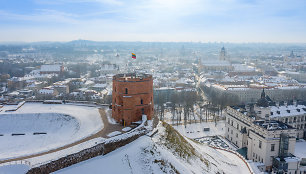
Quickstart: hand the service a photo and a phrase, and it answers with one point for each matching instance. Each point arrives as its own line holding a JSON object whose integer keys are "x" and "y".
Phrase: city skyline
{"x": 153, "y": 20}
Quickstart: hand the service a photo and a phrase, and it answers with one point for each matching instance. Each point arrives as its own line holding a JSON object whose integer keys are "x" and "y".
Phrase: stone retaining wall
{"x": 100, "y": 149}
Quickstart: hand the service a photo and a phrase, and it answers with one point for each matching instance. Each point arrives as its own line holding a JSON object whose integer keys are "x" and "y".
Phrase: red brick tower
{"x": 132, "y": 97}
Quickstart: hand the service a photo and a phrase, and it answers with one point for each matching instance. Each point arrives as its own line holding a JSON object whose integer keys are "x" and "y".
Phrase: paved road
{"x": 108, "y": 128}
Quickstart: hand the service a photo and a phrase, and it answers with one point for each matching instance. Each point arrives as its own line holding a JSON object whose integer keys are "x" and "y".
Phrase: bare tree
{"x": 179, "y": 115}
{"x": 185, "y": 116}
{"x": 174, "y": 101}
{"x": 160, "y": 101}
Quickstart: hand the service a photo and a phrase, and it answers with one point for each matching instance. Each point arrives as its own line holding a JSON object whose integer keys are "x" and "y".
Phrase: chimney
{"x": 295, "y": 103}
{"x": 277, "y": 104}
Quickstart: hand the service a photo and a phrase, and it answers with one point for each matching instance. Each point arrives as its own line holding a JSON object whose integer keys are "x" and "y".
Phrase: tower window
{"x": 126, "y": 90}
{"x": 141, "y": 101}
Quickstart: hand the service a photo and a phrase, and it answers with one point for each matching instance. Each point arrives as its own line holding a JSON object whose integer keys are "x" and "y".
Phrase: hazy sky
{"x": 153, "y": 20}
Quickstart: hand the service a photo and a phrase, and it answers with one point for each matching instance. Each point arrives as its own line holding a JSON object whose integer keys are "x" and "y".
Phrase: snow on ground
{"x": 300, "y": 149}
{"x": 40, "y": 160}
{"x": 63, "y": 124}
{"x": 196, "y": 130}
{"x": 111, "y": 120}
{"x": 162, "y": 154}
{"x": 254, "y": 166}
{"x": 126, "y": 129}
{"x": 113, "y": 133}
{"x": 14, "y": 169}
{"x": 168, "y": 116}
{"x": 213, "y": 141}
{"x": 28, "y": 124}
{"x": 234, "y": 160}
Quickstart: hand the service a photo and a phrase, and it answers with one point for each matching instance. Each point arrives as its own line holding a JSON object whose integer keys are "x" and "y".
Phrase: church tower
{"x": 222, "y": 54}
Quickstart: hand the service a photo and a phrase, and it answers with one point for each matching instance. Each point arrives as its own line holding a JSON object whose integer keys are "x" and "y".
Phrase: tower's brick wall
{"x": 132, "y": 97}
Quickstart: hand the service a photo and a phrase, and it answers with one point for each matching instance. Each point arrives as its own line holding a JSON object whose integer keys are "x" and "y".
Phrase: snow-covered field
{"x": 61, "y": 124}
{"x": 196, "y": 130}
{"x": 159, "y": 155}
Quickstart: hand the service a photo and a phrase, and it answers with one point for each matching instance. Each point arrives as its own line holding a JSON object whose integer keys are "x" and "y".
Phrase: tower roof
{"x": 263, "y": 102}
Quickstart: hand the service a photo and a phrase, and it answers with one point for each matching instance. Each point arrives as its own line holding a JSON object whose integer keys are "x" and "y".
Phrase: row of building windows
{"x": 257, "y": 159}
{"x": 294, "y": 119}
{"x": 231, "y": 122}
{"x": 272, "y": 146}
{"x": 300, "y": 126}
{"x": 126, "y": 90}
{"x": 141, "y": 101}
{"x": 232, "y": 140}
{"x": 297, "y": 126}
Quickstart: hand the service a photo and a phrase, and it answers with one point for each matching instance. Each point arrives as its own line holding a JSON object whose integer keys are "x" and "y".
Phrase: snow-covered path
{"x": 235, "y": 160}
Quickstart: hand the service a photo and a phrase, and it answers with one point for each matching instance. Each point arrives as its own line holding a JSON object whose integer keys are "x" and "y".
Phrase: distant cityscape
{"x": 247, "y": 98}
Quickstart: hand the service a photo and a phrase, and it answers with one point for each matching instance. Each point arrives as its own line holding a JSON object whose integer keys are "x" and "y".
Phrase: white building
{"x": 51, "y": 69}
{"x": 265, "y": 140}
{"x": 250, "y": 93}
{"x": 293, "y": 115}
{"x": 48, "y": 91}
{"x": 109, "y": 69}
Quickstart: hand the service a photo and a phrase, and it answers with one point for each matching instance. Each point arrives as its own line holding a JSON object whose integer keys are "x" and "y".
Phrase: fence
{"x": 17, "y": 162}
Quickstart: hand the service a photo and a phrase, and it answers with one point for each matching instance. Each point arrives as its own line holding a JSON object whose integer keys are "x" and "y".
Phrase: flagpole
{"x": 133, "y": 57}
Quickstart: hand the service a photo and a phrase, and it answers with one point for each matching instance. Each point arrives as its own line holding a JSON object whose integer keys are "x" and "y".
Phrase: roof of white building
{"x": 290, "y": 110}
{"x": 46, "y": 91}
{"x": 243, "y": 68}
{"x": 216, "y": 63}
{"x": 50, "y": 68}
{"x": 272, "y": 124}
{"x": 99, "y": 85}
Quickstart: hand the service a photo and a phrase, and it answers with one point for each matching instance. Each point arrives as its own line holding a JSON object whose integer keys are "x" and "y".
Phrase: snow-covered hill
{"x": 167, "y": 151}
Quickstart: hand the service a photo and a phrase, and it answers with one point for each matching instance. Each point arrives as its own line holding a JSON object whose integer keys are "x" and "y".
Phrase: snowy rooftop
{"x": 216, "y": 63}
{"x": 99, "y": 85}
{"x": 290, "y": 110}
{"x": 272, "y": 125}
{"x": 50, "y": 68}
{"x": 300, "y": 150}
{"x": 243, "y": 68}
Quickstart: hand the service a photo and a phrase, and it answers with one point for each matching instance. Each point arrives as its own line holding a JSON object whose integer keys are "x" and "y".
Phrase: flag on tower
{"x": 133, "y": 56}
